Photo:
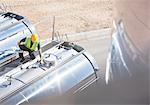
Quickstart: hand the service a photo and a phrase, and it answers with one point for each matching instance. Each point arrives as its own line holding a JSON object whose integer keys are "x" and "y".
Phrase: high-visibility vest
{"x": 27, "y": 43}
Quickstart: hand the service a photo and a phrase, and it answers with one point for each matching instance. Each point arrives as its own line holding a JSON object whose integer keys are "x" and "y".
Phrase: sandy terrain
{"x": 72, "y": 16}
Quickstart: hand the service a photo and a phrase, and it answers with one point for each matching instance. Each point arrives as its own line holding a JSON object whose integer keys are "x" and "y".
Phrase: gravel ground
{"x": 72, "y": 16}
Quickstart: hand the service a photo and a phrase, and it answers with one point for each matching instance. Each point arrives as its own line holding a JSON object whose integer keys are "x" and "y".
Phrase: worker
{"x": 30, "y": 44}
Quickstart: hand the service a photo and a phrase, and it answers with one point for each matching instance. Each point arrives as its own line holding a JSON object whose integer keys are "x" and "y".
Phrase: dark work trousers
{"x": 24, "y": 48}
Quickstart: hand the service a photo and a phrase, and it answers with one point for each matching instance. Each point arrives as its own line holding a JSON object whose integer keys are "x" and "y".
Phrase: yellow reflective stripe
{"x": 34, "y": 46}
{"x": 27, "y": 42}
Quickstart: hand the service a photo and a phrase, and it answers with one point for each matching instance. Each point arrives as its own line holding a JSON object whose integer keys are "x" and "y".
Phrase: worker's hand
{"x": 18, "y": 43}
{"x": 41, "y": 60}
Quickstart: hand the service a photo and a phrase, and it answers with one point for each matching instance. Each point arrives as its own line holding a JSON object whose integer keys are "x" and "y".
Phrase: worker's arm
{"x": 40, "y": 52}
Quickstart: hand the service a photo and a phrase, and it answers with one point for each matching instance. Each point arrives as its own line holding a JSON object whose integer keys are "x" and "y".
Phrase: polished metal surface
{"x": 124, "y": 65}
{"x": 33, "y": 80}
{"x": 12, "y": 29}
{"x": 127, "y": 66}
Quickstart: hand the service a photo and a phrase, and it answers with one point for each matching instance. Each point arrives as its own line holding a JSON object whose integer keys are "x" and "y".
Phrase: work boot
{"x": 22, "y": 60}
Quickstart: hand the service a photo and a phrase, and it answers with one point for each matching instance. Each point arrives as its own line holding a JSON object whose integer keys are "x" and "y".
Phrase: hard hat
{"x": 34, "y": 37}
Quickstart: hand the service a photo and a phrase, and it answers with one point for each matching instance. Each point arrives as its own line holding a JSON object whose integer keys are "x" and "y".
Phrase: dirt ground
{"x": 71, "y": 16}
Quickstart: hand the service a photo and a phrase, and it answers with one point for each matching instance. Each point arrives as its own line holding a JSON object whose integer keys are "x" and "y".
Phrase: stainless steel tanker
{"x": 66, "y": 67}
